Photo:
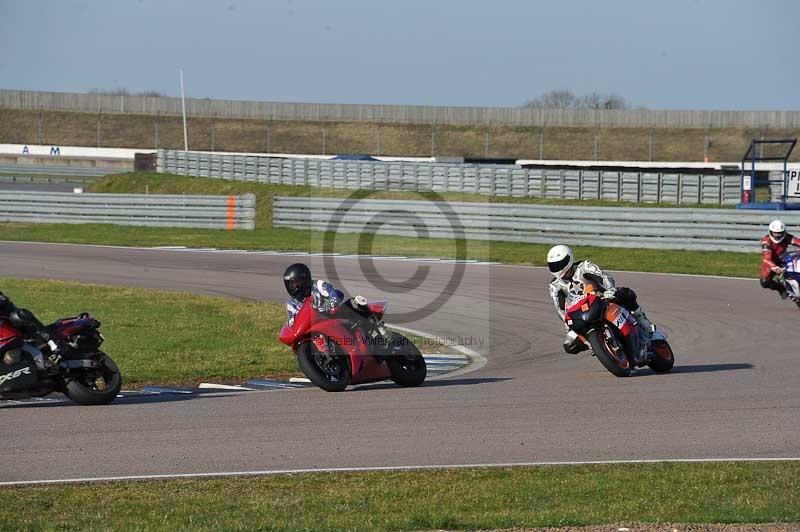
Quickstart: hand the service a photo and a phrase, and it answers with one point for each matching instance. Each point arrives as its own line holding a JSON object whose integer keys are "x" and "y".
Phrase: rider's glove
{"x": 777, "y": 270}
{"x": 609, "y": 294}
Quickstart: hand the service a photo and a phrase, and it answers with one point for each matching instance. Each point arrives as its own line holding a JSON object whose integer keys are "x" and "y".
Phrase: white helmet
{"x": 777, "y": 230}
{"x": 559, "y": 260}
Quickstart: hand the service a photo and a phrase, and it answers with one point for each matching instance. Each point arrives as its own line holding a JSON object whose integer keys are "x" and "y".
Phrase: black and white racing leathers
{"x": 564, "y": 291}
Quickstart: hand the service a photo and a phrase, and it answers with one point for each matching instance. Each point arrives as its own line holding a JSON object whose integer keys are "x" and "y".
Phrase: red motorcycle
{"x": 351, "y": 345}
{"x": 65, "y": 357}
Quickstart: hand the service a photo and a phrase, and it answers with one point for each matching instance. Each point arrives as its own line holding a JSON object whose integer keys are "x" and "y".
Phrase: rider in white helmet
{"x": 571, "y": 277}
{"x": 773, "y": 245}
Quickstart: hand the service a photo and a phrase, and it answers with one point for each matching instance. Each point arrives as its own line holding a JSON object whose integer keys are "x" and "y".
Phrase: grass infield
{"x": 169, "y": 337}
{"x": 265, "y": 237}
{"x": 163, "y": 337}
{"x": 484, "y": 498}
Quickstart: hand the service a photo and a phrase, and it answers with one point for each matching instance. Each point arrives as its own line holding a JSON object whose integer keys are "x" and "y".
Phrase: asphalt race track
{"x": 735, "y": 391}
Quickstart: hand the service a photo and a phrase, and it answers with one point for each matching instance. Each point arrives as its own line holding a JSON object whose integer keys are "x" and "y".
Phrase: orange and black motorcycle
{"x": 612, "y": 333}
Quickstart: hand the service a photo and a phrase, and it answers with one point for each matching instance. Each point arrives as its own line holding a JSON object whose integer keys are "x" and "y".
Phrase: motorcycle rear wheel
{"x": 95, "y": 388}
{"x": 331, "y": 372}
{"x": 610, "y": 352}
{"x": 663, "y": 358}
{"x": 406, "y": 362}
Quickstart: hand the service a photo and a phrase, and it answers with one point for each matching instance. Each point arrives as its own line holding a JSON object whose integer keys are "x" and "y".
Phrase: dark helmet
{"x": 297, "y": 280}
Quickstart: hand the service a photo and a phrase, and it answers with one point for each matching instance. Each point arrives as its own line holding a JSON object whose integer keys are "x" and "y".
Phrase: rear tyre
{"x": 329, "y": 371}
{"x": 406, "y": 362}
{"x": 663, "y": 358}
{"x": 96, "y": 386}
{"x": 610, "y": 351}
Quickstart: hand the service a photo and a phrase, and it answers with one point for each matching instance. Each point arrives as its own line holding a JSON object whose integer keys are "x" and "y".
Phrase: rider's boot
{"x": 572, "y": 344}
{"x": 644, "y": 323}
{"x": 646, "y": 329}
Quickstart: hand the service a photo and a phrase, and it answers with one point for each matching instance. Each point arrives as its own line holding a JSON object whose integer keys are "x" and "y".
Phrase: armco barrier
{"x": 653, "y": 228}
{"x": 492, "y": 180}
{"x": 60, "y": 170}
{"x": 208, "y": 212}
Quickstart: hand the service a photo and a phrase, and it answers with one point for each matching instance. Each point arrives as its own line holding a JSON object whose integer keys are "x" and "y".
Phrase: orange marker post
{"x": 231, "y": 213}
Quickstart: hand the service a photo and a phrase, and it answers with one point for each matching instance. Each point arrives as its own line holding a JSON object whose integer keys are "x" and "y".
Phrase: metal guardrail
{"x": 209, "y": 212}
{"x": 57, "y": 170}
{"x": 652, "y": 228}
{"x": 108, "y": 103}
{"x": 491, "y": 180}
{"x": 15, "y": 178}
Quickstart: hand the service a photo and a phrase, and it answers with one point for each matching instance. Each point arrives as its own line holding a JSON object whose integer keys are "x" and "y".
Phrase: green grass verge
{"x": 422, "y": 500}
{"x": 162, "y": 337}
{"x": 169, "y": 337}
{"x": 265, "y": 237}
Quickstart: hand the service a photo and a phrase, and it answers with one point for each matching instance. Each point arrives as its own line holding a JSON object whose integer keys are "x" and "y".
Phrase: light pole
{"x": 183, "y": 107}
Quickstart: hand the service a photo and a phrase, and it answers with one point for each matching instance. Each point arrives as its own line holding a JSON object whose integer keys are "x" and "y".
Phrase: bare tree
{"x": 555, "y": 99}
{"x": 596, "y": 100}
{"x": 566, "y": 99}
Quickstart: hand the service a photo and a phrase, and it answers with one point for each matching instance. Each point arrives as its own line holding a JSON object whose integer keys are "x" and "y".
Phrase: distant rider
{"x": 299, "y": 285}
{"x": 571, "y": 278}
{"x": 773, "y": 246}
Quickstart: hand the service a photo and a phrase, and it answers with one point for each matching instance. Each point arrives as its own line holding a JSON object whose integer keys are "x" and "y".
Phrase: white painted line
{"x": 299, "y": 379}
{"x": 441, "y": 356}
{"x": 394, "y": 468}
{"x": 212, "y": 386}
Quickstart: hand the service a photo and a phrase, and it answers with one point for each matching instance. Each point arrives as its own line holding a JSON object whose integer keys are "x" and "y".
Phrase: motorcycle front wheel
{"x": 609, "y": 349}
{"x": 95, "y": 386}
{"x": 406, "y": 362}
{"x": 329, "y": 371}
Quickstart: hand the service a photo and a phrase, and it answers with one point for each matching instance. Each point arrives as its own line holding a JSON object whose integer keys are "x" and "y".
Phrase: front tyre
{"x": 663, "y": 358}
{"x": 95, "y": 386}
{"x": 609, "y": 349}
{"x": 329, "y": 371}
{"x": 406, "y": 362}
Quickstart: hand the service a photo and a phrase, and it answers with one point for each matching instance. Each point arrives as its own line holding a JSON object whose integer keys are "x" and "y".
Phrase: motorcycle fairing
{"x": 620, "y": 318}
{"x": 364, "y": 366}
{"x": 17, "y": 377}
{"x": 10, "y": 336}
{"x": 791, "y": 276}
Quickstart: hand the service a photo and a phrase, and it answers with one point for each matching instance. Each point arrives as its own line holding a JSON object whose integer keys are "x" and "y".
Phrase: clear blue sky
{"x": 672, "y": 54}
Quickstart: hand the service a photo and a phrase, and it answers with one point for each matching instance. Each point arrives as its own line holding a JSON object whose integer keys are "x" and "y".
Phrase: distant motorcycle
{"x": 65, "y": 357}
{"x": 790, "y": 262}
{"x": 350, "y": 345}
{"x": 612, "y": 334}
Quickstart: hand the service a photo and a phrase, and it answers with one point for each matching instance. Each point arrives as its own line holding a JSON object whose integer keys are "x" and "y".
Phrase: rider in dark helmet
{"x": 299, "y": 284}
